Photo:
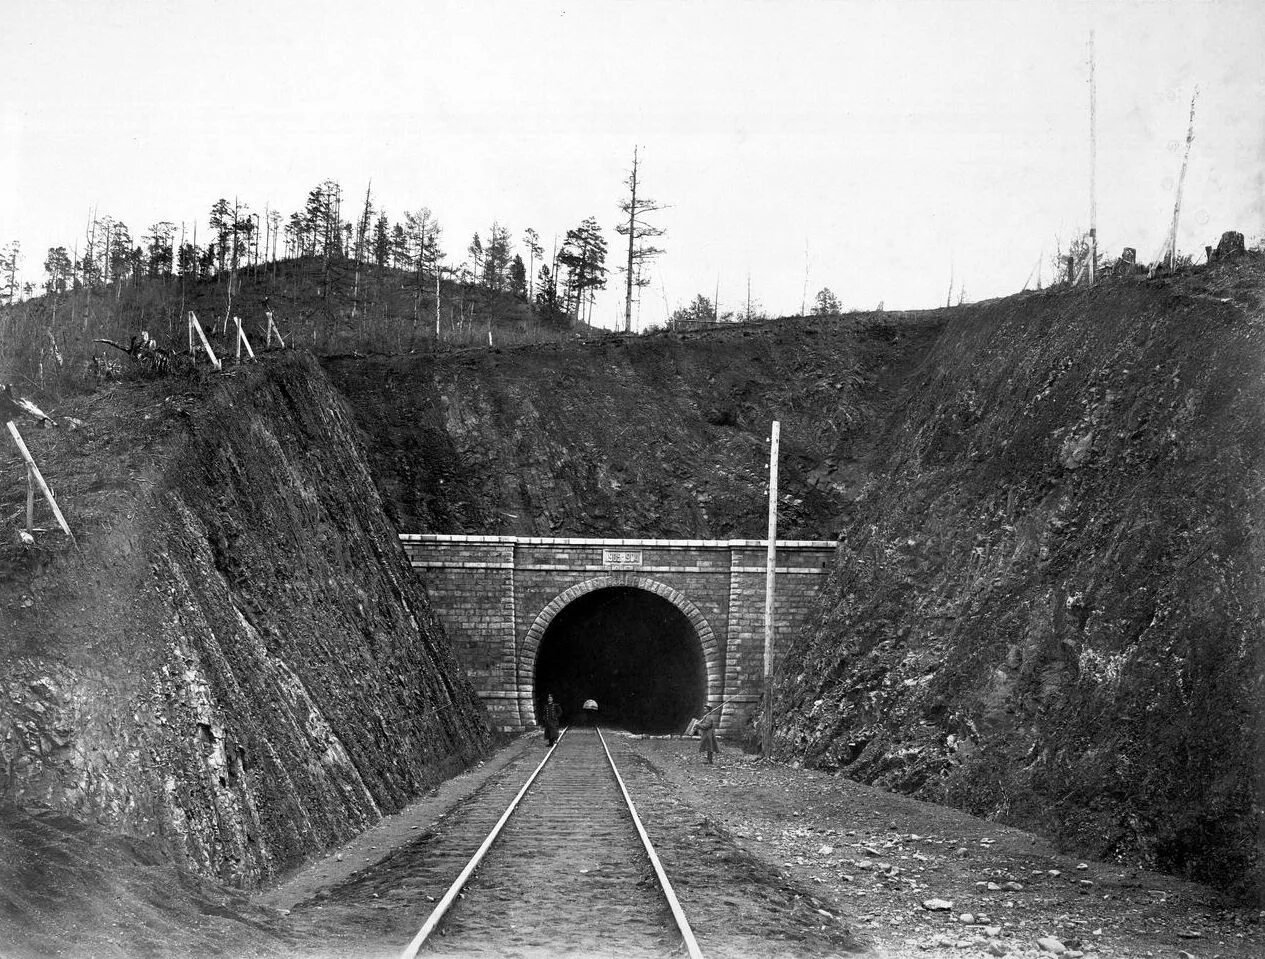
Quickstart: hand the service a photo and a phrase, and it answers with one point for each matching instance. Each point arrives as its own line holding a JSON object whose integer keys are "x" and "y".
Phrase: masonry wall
{"x": 497, "y": 595}
{"x": 471, "y": 586}
{"x": 799, "y": 572}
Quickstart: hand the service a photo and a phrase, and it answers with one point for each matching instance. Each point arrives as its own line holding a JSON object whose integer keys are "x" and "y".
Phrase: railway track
{"x": 568, "y": 868}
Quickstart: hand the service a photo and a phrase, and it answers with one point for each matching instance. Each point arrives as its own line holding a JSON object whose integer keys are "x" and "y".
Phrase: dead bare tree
{"x": 362, "y": 230}
{"x": 640, "y": 252}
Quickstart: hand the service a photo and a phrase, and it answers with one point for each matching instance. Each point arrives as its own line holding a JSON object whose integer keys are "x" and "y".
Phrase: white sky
{"x": 890, "y": 138}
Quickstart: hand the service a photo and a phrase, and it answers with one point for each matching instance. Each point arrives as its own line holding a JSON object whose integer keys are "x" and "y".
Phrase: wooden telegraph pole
{"x": 1169, "y": 255}
{"x": 1093, "y": 166}
{"x": 770, "y": 573}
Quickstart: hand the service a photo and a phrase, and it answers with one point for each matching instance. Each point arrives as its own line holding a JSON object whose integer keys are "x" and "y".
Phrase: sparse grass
{"x": 48, "y": 344}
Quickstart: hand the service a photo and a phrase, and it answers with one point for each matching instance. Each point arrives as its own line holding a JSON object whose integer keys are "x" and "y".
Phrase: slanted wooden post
{"x": 194, "y": 325}
{"x": 242, "y": 341}
{"x": 272, "y": 328}
{"x": 34, "y": 471}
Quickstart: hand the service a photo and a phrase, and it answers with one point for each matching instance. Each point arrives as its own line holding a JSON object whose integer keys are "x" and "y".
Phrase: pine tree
{"x": 518, "y": 278}
{"x": 243, "y": 231}
{"x": 320, "y": 224}
{"x": 496, "y": 258}
{"x": 158, "y": 246}
{"x": 222, "y": 222}
{"x": 583, "y": 253}
{"x": 10, "y": 254}
{"x": 701, "y": 311}
{"x": 120, "y": 247}
{"x": 381, "y": 241}
{"x": 826, "y": 303}
{"x": 400, "y": 258}
{"x": 421, "y": 232}
{"x": 60, "y": 269}
{"x": 187, "y": 260}
{"x": 534, "y": 251}
{"x": 548, "y": 306}
{"x": 475, "y": 249}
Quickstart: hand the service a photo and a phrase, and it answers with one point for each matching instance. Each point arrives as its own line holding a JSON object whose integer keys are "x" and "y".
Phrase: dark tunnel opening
{"x": 633, "y": 652}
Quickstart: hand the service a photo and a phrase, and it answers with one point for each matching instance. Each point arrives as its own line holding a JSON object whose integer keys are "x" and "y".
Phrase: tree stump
{"x": 1231, "y": 244}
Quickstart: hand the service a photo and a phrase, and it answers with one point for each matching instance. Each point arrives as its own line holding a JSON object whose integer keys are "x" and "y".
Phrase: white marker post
{"x": 770, "y": 574}
{"x": 34, "y": 471}
{"x": 272, "y": 329}
{"x": 242, "y": 341}
{"x": 206, "y": 344}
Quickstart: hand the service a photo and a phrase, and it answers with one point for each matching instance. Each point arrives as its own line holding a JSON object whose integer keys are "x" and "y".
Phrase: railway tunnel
{"x": 633, "y": 652}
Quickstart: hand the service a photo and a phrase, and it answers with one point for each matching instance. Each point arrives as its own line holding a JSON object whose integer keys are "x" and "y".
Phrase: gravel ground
{"x": 919, "y": 879}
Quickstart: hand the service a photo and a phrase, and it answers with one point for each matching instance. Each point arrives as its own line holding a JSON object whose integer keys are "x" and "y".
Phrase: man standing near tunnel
{"x": 550, "y": 717}
{"x": 706, "y": 729}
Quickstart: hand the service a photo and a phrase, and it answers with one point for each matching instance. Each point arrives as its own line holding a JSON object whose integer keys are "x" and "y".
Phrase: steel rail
{"x": 410, "y": 951}
{"x": 454, "y": 890}
{"x": 682, "y": 924}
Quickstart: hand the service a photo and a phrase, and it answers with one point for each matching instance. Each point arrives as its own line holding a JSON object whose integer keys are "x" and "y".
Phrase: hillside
{"x": 234, "y": 660}
{"x": 49, "y": 343}
{"x": 663, "y": 435}
{"x": 1048, "y": 609}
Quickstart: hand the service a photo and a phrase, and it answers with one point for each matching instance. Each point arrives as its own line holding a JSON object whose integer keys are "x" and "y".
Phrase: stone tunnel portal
{"x": 632, "y": 651}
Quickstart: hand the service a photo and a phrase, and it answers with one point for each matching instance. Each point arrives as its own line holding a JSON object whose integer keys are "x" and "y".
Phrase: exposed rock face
{"x": 238, "y": 659}
{"x": 1049, "y": 607}
{"x": 657, "y": 436}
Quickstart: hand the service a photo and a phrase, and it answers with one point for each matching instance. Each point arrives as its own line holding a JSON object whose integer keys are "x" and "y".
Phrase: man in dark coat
{"x": 551, "y": 719}
{"x": 706, "y": 728}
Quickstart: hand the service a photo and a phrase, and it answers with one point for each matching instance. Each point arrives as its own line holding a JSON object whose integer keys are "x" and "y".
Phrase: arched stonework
{"x": 489, "y": 589}
{"x": 531, "y": 642}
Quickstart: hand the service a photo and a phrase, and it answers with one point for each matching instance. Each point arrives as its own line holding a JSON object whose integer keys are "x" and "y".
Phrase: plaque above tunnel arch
{"x": 622, "y": 558}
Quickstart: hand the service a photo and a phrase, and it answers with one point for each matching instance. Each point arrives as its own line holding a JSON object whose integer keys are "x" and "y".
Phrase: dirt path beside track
{"x": 879, "y": 857}
{"x": 394, "y": 831}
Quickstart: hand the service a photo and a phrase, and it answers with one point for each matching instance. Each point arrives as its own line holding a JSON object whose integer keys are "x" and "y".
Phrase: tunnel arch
{"x": 529, "y": 650}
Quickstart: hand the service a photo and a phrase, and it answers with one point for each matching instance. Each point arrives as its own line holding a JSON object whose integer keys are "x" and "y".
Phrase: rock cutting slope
{"x": 236, "y": 660}
{"x": 653, "y": 436}
{"x": 1049, "y": 607}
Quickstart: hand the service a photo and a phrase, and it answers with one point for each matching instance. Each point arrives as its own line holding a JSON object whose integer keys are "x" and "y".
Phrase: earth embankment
{"x": 1048, "y": 609}
{"x": 234, "y": 660}
{"x": 657, "y": 436}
